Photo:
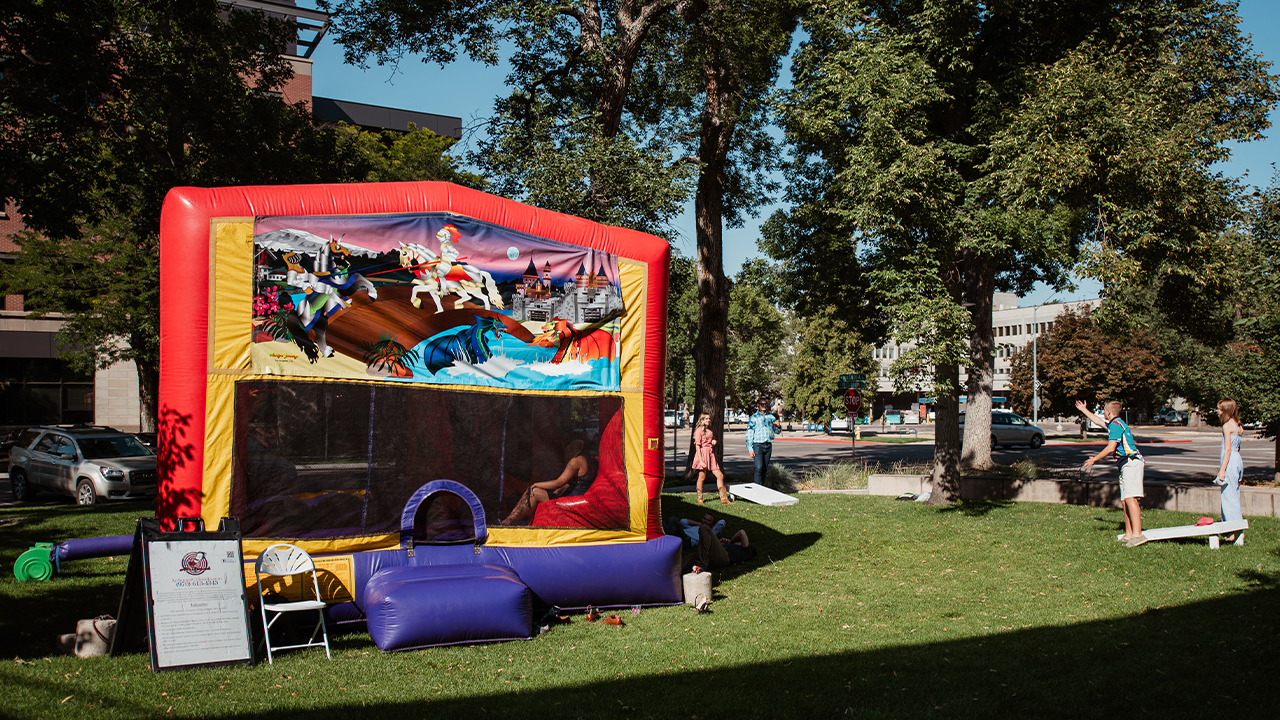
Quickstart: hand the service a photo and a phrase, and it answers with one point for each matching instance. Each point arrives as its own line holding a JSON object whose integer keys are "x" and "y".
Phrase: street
{"x": 1172, "y": 454}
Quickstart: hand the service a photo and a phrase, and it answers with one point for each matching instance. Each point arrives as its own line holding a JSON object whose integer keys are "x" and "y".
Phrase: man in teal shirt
{"x": 760, "y": 427}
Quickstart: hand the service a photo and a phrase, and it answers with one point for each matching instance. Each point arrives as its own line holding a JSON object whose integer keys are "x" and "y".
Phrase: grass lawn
{"x": 858, "y": 606}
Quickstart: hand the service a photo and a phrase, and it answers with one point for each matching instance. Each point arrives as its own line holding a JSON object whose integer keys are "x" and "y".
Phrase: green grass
{"x": 858, "y": 606}
{"x": 894, "y": 440}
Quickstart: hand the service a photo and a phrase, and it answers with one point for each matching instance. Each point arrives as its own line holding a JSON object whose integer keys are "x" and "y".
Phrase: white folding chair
{"x": 283, "y": 560}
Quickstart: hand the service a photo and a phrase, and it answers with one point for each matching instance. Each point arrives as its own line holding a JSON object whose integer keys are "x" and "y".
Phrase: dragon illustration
{"x": 466, "y": 344}
{"x": 588, "y": 342}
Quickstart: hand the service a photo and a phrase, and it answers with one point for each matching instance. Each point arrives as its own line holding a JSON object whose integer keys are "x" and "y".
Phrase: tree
{"x": 391, "y": 156}
{"x": 605, "y": 98}
{"x": 106, "y": 105}
{"x": 754, "y": 343}
{"x": 682, "y": 327}
{"x": 970, "y": 147}
{"x": 828, "y": 348}
{"x": 1077, "y": 360}
{"x": 1259, "y": 355}
{"x": 1220, "y": 338}
{"x": 735, "y": 50}
{"x": 588, "y": 128}
{"x": 1244, "y": 363}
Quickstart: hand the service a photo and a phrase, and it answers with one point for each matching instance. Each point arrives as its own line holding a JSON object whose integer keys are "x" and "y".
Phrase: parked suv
{"x": 86, "y": 462}
{"x": 1011, "y": 429}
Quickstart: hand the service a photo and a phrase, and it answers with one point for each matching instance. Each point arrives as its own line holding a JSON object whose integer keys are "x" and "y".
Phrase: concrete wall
{"x": 1184, "y": 497}
{"x": 115, "y": 397}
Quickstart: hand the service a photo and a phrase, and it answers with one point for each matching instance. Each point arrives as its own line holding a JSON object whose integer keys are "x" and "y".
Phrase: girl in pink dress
{"x": 705, "y": 457}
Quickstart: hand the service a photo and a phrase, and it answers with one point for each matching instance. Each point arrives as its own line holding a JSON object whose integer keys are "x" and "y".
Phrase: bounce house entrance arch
{"x": 330, "y": 353}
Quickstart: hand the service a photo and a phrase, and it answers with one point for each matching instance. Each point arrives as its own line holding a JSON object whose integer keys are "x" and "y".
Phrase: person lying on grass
{"x": 710, "y": 551}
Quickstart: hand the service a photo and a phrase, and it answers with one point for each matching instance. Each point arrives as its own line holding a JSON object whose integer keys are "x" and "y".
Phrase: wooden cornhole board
{"x": 762, "y": 495}
{"x": 1213, "y": 530}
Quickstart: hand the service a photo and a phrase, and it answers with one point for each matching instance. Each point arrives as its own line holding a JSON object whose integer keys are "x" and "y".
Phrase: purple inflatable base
{"x": 570, "y": 577}
{"x": 417, "y": 606}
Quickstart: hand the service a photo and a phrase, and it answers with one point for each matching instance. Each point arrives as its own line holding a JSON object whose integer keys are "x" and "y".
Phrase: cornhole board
{"x": 762, "y": 495}
{"x": 1213, "y": 530}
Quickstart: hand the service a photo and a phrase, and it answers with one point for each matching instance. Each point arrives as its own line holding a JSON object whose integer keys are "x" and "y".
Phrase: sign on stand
{"x": 184, "y": 593}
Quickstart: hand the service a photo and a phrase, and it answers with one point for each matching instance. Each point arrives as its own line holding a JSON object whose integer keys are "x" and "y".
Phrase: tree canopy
{"x": 1077, "y": 360}
{"x": 104, "y": 106}
{"x": 961, "y": 148}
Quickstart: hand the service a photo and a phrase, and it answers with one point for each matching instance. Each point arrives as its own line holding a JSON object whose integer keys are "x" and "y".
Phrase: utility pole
{"x": 1035, "y": 369}
{"x": 675, "y": 424}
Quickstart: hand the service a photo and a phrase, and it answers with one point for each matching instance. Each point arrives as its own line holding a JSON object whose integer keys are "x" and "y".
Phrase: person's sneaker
{"x": 1135, "y": 541}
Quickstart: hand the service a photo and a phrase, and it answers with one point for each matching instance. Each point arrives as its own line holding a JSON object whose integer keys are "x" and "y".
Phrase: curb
{"x": 1183, "y": 497}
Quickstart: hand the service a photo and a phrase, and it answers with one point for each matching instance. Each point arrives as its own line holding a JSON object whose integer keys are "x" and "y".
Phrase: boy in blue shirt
{"x": 1120, "y": 441}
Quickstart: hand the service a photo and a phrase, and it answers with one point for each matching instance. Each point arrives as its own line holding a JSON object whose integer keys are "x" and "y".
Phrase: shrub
{"x": 841, "y": 475}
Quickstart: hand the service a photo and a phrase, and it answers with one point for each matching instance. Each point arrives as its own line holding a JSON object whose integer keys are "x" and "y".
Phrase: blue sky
{"x": 467, "y": 90}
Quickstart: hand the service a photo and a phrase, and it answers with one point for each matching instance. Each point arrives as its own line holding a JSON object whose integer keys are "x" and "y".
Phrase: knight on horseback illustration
{"x": 444, "y": 273}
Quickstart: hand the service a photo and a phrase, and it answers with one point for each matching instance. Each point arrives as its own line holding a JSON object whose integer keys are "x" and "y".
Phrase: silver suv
{"x": 86, "y": 462}
{"x": 1011, "y": 429}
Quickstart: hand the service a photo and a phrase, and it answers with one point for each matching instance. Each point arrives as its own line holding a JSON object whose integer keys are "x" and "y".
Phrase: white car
{"x": 672, "y": 419}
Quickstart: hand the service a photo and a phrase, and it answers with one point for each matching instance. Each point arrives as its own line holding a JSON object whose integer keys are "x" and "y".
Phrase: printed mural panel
{"x": 433, "y": 298}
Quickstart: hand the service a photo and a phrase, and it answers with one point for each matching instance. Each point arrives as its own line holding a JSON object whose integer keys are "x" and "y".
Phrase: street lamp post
{"x": 1035, "y": 369}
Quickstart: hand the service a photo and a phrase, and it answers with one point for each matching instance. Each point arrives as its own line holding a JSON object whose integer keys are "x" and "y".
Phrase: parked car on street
{"x": 7, "y": 444}
{"x": 1171, "y": 417}
{"x": 86, "y": 462}
{"x": 1009, "y": 428}
{"x": 672, "y": 419}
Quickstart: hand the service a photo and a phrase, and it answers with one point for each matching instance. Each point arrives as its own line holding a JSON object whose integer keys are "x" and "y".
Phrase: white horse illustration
{"x": 442, "y": 275}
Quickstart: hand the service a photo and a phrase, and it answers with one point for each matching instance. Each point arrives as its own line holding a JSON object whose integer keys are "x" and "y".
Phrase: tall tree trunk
{"x": 979, "y": 284}
{"x": 946, "y": 448}
{"x": 718, "y": 120}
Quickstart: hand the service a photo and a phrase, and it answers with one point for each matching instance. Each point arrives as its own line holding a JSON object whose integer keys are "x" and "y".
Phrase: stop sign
{"x": 852, "y": 400}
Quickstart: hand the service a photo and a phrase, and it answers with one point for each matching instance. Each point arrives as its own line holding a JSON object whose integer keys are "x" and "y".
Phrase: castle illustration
{"x": 587, "y": 298}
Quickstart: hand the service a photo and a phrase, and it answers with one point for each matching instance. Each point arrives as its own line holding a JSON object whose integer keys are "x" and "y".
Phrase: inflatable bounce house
{"x": 452, "y": 401}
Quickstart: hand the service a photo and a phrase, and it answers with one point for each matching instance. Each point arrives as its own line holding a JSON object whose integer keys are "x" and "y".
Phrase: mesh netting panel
{"x": 341, "y": 459}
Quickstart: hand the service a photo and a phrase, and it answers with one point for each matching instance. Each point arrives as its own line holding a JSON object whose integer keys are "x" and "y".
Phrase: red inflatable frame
{"x": 185, "y": 239}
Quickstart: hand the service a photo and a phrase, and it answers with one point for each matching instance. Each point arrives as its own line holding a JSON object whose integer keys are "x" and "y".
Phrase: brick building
{"x": 35, "y": 386}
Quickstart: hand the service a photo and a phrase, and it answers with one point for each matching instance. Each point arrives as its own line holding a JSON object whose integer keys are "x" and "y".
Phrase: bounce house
{"x": 450, "y": 400}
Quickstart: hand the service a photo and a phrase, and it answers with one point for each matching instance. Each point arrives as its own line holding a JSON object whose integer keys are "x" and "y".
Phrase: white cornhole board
{"x": 1213, "y": 530}
{"x": 762, "y": 495}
